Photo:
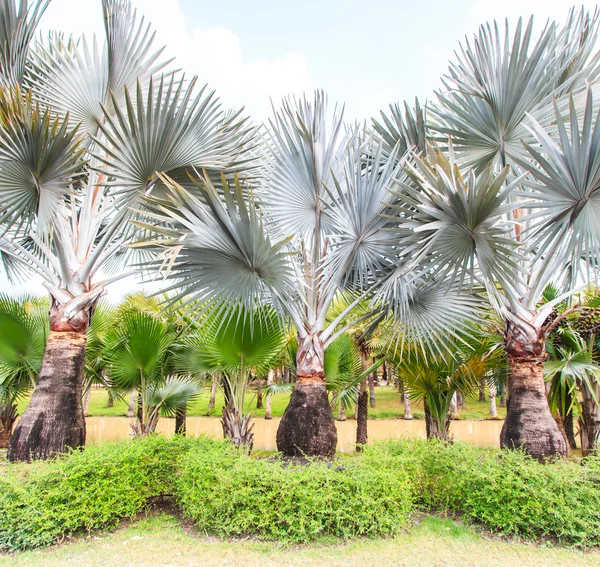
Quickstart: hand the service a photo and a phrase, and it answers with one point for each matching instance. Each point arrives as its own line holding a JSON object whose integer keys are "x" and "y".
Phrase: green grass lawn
{"x": 388, "y": 405}
{"x": 160, "y": 540}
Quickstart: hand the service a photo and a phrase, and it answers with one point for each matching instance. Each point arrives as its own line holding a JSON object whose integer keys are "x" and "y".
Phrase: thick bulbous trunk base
{"x": 53, "y": 421}
{"x": 529, "y": 424}
{"x": 307, "y": 427}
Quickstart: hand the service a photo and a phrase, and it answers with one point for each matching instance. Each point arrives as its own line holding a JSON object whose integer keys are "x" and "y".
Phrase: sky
{"x": 365, "y": 55}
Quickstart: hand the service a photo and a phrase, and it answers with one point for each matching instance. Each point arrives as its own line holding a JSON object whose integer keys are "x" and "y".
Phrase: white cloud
{"x": 215, "y": 55}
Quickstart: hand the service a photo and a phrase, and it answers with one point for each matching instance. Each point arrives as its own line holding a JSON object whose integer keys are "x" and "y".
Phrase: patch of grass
{"x": 388, "y": 406}
{"x": 162, "y": 540}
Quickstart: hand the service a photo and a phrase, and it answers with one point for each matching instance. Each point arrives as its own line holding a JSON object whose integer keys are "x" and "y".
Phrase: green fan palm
{"x": 238, "y": 346}
{"x": 434, "y": 380}
{"x": 23, "y": 335}
{"x": 139, "y": 350}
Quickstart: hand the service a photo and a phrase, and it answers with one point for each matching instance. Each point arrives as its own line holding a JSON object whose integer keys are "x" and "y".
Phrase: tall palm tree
{"x": 83, "y": 130}
{"x": 504, "y": 108}
{"x": 314, "y": 226}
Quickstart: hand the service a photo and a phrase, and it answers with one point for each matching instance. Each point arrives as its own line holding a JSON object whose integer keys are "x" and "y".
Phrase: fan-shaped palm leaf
{"x": 219, "y": 253}
{"x": 18, "y": 22}
{"x": 565, "y": 187}
{"x": 497, "y": 80}
{"x": 454, "y": 223}
{"x": 76, "y": 78}
{"x": 23, "y": 333}
{"x": 39, "y": 159}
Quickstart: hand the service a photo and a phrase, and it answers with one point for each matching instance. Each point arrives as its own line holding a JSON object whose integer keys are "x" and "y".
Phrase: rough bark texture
{"x": 529, "y": 423}
{"x": 341, "y": 412}
{"x": 110, "y": 402}
{"x": 53, "y": 421}
{"x": 361, "y": 422}
{"x": 181, "y": 421}
{"x": 590, "y": 421}
{"x": 372, "y": 380}
{"x": 307, "y": 426}
{"x": 8, "y": 416}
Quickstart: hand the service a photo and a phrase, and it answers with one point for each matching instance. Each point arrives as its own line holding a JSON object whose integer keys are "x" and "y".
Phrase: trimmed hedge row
{"x": 231, "y": 494}
{"x": 228, "y": 493}
{"x": 507, "y": 491}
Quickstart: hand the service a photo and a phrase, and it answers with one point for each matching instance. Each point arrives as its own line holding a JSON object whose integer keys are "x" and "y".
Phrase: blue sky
{"x": 367, "y": 54}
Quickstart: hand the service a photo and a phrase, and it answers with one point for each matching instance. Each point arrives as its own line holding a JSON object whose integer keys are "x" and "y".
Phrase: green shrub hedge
{"x": 507, "y": 491}
{"x": 228, "y": 493}
{"x": 231, "y": 494}
{"x": 40, "y": 503}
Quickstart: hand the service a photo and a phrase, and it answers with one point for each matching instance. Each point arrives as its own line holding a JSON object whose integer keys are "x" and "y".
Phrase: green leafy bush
{"x": 228, "y": 493}
{"x": 42, "y": 502}
{"x": 507, "y": 491}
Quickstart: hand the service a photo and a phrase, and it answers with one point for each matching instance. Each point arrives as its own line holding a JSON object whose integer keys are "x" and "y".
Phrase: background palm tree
{"x": 139, "y": 354}
{"x": 83, "y": 131}
{"x": 23, "y": 335}
{"x": 238, "y": 347}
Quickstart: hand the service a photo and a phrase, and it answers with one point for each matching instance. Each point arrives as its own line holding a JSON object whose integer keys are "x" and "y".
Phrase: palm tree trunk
{"x": 406, "y": 401}
{"x": 307, "y": 426}
{"x": 341, "y": 412}
{"x": 482, "y": 391}
{"x": 590, "y": 421}
{"x": 529, "y": 424}
{"x": 181, "y": 421}
{"x": 133, "y": 397}
{"x": 238, "y": 428}
{"x": 53, "y": 421}
{"x": 372, "y": 380}
{"x": 213, "y": 392}
{"x": 269, "y": 401}
{"x": 454, "y": 406}
{"x": 110, "y": 402}
{"x": 432, "y": 427}
{"x": 362, "y": 417}
{"x": 568, "y": 423}
{"x": 87, "y": 397}
{"x": 259, "y": 396}
{"x": 8, "y": 416}
{"x": 492, "y": 396}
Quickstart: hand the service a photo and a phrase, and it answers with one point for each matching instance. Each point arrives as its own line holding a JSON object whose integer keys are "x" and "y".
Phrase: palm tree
{"x": 434, "y": 380}
{"x": 314, "y": 226}
{"x": 497, "y": 109}
{"x": 139, "y": 354}
{"x": 238, "y": 347}
{"x": 23, "y": 334}
{"x": 83, "y": 130}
